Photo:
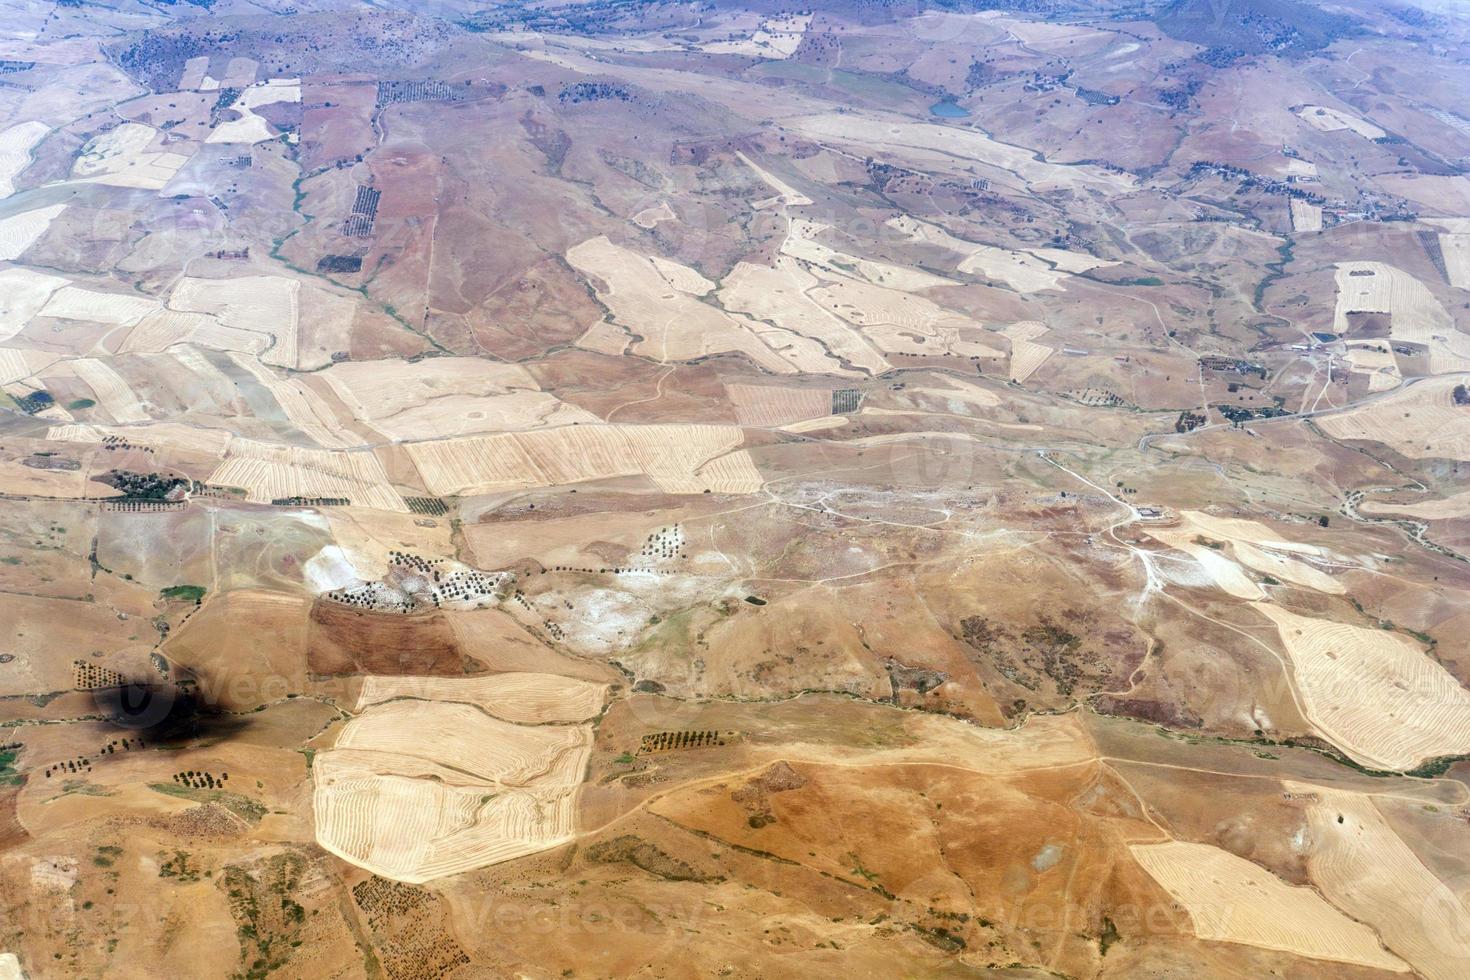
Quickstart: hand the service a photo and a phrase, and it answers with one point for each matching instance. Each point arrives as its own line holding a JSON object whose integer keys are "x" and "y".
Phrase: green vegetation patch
{"x": 185, "y": 593}
{"x": 8, "y": 774}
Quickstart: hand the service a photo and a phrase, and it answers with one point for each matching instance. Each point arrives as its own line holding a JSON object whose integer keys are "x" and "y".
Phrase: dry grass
{"x": 785, "y": 194}
{"x": 950, "y": 149}
{"x": 1026, "y": 271}
{"x": 1231, "y": 900}
{"x": 524, "y": 698}
{"x": 1373, "y": 693}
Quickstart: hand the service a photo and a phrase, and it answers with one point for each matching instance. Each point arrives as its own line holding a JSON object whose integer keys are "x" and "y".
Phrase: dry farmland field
{"x": 609, "y": 489}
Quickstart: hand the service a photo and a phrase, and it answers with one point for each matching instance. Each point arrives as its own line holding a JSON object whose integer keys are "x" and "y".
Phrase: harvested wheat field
{"x": 112, "y": 392}
{"x": 124, "y": 157}
{"x": 448, "y": 397}
{"x": 417, "y": 790}
{"x": 162, "y": 437}
{"x": 1210, "y": 539}
{"x": 801, "y": 243}
{"x": 960, "y": 396}
{"x": 731, "y": 473}
{"x": 777, "y": 39}
{"x": 1416, "y": 316}
{"x": 1420, "y": 422}
{"x": 1455, "y": 247}
{"x": 264, "y": 305}
{"x": 1439, "y": 509}
{"x": 670, "y": 455}
{"x": 20, "y": 231}
{"x": 267, "y": 472}
{"x": 305, "y": 408}
{"x": 1231, "y": 900}
{"x": 650, "y": 217}
{"x": 1378, "y": 362}
{"x": 1333, "y": 120}
{"x": 16, "y": 365}
{"x": 16, "y": 143}
{"x": 381, "y": 389}
{"x": 523, "y": 698}
{"x": 903, "y": 323}
{"x": 1366, "y": 869}
{"x": 770, "y": 405}
{"x": 1024, "y": 271}
{"x": 77, "y": 303}
{"x": 162, "y": 329}
{"x": 1375, "y": 694}
{"x": 23, "y": 292}
{"x": 1305, "y": 216}
{"x": 249, "y": 127}
{"x": 659, "y": 304}
{"x": 629, "y": 490}
{"x": 779, "y": 295}
{"x": 950, "y": 149}
{"x": 1223, "y": 572}
{"x": 1026, "y": 354}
